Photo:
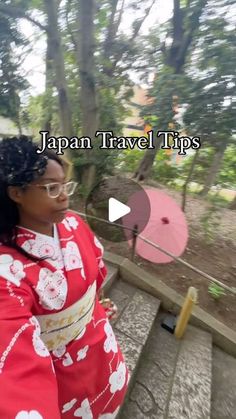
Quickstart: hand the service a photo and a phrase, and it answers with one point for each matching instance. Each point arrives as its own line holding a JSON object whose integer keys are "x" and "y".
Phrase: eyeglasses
{"x": 55, "y": 189}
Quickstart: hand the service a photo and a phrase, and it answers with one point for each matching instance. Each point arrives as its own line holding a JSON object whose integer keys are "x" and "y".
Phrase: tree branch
{"x": 188, "y": 37}
{"x": 178, "y": 34}
{"x": 113, "y": 28}
{"x": 16, "y": 12}
{"x": 110, "y": 31}
{"x": 69, "y": 27}
{"x": 118, "y": 22}
{"x": 119, "y": 55}
{"x": 140, "y": 23}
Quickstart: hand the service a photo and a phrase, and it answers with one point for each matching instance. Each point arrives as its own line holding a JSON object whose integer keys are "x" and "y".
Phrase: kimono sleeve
{"x": 99, "y": 251}
{"x": 28, "y": 385}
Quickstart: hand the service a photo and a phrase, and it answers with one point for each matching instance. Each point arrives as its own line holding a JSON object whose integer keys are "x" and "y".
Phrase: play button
{"x": 116, "y": 210}
{"x": 116, "y": 207}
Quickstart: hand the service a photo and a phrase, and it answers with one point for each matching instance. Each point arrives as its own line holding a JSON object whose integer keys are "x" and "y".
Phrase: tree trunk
{"x": 214, "y": 169}
{"x": 48, "y": 87}
{"x": 86, "y": 68}
{"x": 145, "y": 165}
{"x": 51, "y": 9}
{"x": 88, "y": 99}
{"x": 88, "y": 176}
{"x": 188, "y": 180}
{"x": 19, "y": 126}
{"x": 175, "y": 56}
{"x": 18, "y": 109}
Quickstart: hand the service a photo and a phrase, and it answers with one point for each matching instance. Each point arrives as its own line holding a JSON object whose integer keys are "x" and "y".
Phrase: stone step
{"x": 173, "y": 380}
{"x": 223, "y": 385}
{"x": 137, "y": 312}
{"x": 112, "y": 275}
{"x": 191, "y": 391}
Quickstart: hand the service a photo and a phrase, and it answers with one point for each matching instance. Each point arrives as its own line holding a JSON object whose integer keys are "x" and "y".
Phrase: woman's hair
{"x": 20, "y": 164}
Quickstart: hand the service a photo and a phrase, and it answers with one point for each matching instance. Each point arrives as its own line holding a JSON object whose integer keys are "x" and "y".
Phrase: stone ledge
{"x": 112, "y": 258}
{"x": 223, "y": 403}
{"x": 223, "y": 336}
{"x": 191, "y": 392}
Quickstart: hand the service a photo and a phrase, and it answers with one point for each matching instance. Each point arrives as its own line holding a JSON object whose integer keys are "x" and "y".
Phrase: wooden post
{"x": 134, "y": 240}
{"x": 185, "y": 313}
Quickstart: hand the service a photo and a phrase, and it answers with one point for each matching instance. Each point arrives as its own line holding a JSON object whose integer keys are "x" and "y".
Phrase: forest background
{"x": 84, "y": 58}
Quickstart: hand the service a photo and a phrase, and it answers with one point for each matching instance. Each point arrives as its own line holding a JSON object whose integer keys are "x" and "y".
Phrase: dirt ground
{"x": 215, "y": 255}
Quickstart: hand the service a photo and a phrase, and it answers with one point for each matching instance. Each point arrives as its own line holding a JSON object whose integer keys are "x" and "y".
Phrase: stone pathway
{"x": 173, "y": 380}
{"x": 223, "y": 386}
{"x": 170, "y": 378}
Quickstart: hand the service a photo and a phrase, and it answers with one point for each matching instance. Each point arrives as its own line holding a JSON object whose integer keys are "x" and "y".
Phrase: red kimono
{"x": 86, "y": 377}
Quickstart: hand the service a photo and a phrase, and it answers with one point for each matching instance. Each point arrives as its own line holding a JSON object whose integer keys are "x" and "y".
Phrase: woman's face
{"x": 34, "y": 204}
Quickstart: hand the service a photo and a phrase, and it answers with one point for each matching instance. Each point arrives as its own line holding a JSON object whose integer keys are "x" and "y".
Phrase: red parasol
{"x": 167, "y": 227}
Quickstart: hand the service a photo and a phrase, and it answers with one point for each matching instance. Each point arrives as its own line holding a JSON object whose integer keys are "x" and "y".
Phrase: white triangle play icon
{"x": 117, "y": 210}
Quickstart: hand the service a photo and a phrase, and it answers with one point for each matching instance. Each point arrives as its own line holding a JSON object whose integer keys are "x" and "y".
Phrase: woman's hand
{"x": 109, "y": 307}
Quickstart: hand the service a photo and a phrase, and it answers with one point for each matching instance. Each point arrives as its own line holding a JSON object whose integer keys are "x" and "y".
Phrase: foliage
{"x": 211, "y": 106}
{"x": 104, "y": 160}
{"x": 112, "y": 111}
{"x": 227, "y": 175}
{"x": 127, "y": 159}
{"x": 217, "y": 200}
{"x": 216, "y": 291}
{"x": 203, "y": 85}
{"x": 204, "y": 161}
{"x": 163, "y": 169}
{"x": 210, "y": 222}
{"x": 165, "y": 87}
{"x": 11, "y": 81}
{"x": 34, "y": 114}
{"x": 113, "y": 87}
{"x": 200, "y": 99}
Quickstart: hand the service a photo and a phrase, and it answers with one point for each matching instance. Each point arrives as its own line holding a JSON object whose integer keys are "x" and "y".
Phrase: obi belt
{"x": 61, "y": 328}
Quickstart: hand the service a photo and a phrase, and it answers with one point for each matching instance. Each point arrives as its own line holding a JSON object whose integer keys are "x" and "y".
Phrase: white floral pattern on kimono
{"x": 82, "y": 353}
{"x": 11, "y": 269}
{"x": 110, "y": 343}
{"x": 84, "y": 410}
{"x": 38, "y": 344}
{"x": 39, "y": 247}
{"x": 99, "y": 245}
{"x": 68, "y": 406}
{"x": 117, "y": 378}
{"x": 110, "y": 415}
{"x": 70, "y": 223}
{"x": 52, "y": 289}
{"x": 72, "y": 256}
{"x": 33, "y": 414}
{"x": 67, "y": 360}
{"x": 45, "y": 246}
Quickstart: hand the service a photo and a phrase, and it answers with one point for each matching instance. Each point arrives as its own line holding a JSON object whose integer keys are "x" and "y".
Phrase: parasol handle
{"x": 134, "y": 240}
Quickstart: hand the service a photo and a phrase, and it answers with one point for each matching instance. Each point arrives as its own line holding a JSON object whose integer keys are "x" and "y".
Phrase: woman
{"x": 58, "y": 354}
